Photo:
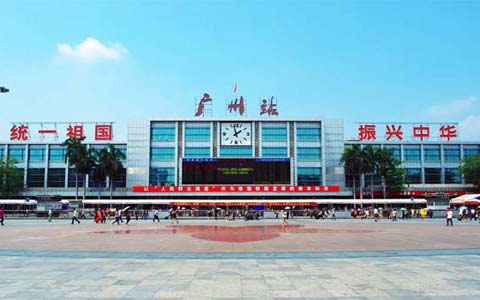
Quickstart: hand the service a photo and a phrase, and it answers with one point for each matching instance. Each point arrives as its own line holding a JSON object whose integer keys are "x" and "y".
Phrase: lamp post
{"x": 4, "y": 89}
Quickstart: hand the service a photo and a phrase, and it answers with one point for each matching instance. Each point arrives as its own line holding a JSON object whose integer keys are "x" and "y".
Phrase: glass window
{"x": 236, "y": 151}
{"x": 36, "y": 154}
{"x": 274, "y": 134}
{"x": 197, "y": 134}
{"x": 451, "y": 153}
{"x": 309, "y": 176}
{"x": 56, "y": 177}
{"x": 274, "y": 152}
{"x": 2, "y": 152}
{"x": 197, "y": 152}
{"x": 412, "y": 153}
{"x": 308, "y": 134}
{"x": 452, "y": 175}
{"x": 471, "y": 150}
{"x": 433, "y": 175}
{"x": 35, "y": 177}
{"x": 162, "y": 153}
{"x": 121, "y": 179}
{"x": 56, "y": 154}
{"x": 162, "y": 176}
{"x": 17, "y": 153}
{"x": 164, "y": 134}
{"x": 395, "y": 151}
{"x": 72, "y": 178}
{"x": 431, "y": 153}
{"x": 414, "y": 175}
{"x": 122, "y": 149}
{"x": 94, "y": 183}
{"x": 305, "y": 154}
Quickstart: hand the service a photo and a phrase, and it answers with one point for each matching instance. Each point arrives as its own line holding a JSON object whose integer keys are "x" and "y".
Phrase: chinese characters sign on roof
{"x": 268, "y": 107}
{"x": 52, "y": 131}
{"x": 408, "y": 131}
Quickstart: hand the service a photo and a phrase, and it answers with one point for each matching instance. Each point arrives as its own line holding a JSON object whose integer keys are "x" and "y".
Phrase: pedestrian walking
{"x": 127, "y": 216}
{"x": 376, "y": 214}
{"x": 155, "y": 216}
{"x": 50, "y": 214}
{"x": 117, "y": 218}
{"x": 2, "y": 215}
{"x": 284, "y": 218}
{"x": 174, "y": 216}
{"x": 75, "y": 216}
{"x": 449, "y": 217}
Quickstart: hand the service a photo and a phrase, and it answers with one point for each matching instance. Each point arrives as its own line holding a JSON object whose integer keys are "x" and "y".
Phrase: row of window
{"x": 269, "y": 134}
{"x": 56, "y": 154}
{"x": 168, "y": 153}
{"x": 451, "y": 153}
{"x": 56, "y": 178}
{"x": 434, "y": 175}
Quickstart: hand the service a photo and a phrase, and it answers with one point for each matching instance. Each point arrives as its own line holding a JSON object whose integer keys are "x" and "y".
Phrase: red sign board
{"x": 398, "y": 131}
{"x": 236, "y": 189}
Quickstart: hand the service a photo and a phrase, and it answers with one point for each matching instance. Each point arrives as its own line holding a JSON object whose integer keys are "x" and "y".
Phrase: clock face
{"x": 236, "y": 134}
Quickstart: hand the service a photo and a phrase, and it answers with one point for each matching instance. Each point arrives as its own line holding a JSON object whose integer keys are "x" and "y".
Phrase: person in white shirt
{"x": 50, "y": 213}
{"x": 450, "y": 217}
{"x": 375, "y": 213}
{"x": 75, "y": 216}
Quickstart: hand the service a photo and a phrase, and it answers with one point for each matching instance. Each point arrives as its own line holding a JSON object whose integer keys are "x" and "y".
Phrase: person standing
{"x": 332, "y": 213}
{"x": 75, "y": 216}
{"x": 155, "y": 216}
{"x": 50, "y": 214}
{"x": 284, "y": 218}
{"x": 117, "y": 218}
{"x": 127, "y": 216}
{"x": 375, "y": 214}
{"x": 2, "y": 215}
{"x": 450, "y": 217}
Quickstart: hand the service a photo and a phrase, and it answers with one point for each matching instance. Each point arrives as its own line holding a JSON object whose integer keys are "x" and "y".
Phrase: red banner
{"x": 236, "y": 189}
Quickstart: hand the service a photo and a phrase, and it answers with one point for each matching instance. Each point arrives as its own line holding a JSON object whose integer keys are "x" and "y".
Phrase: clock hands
{"x": 236, "y": 133}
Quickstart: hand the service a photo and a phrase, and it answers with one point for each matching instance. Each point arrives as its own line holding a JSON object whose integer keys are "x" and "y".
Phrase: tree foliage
{"x": 11, "y": 178}
{"x": 471, "y": 170}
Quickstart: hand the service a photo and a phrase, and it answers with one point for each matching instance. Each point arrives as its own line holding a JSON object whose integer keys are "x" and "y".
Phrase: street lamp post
{"x": 4, "y": 89}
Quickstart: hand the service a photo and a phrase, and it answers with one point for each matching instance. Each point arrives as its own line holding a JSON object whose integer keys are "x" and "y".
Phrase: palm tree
{"x": 98, "y": 174}
{"x": 385, "y": 163}
{"x": 353, "y": 165}
{"x": 369, "y": 162}
{"x": 110, "y": 159}
{"x": 85, "y": 164}
{"x": 73, "y": 152}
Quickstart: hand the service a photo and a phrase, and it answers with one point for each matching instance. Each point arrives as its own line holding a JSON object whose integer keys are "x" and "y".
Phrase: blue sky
{"x": 357, "y": 61}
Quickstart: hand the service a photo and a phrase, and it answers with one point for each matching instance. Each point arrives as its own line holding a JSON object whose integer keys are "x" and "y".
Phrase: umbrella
{"x": 403, "y": 208}
{"x": 462, "y": 207}
{"x": 288, "y": 207}
{"x": 126, "y": 208}
{"x": 64, "y": 201}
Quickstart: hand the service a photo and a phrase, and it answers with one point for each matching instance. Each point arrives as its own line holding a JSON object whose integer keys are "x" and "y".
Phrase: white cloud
{"x": 470, "y": 128}
{"x": 91, "y": 50}
{"x": 450, "y": 108}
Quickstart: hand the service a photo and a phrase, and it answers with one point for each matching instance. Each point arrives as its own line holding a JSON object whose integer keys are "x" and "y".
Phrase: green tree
{"x": 110, "y": 162}
{"x": 395, "y": 179}
{"x": 74, "y": 147}
{"x": 85, "y": 165}
{"x": 369, "y": 157}
{"x": 471, "y": 170}
{"x": 11, "y": 178}
{"x": 385, "y": 166}
{"x": 353, "y": 165}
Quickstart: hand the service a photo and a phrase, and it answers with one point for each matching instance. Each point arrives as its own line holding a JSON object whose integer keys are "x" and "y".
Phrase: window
{"x": 197, "y": 152}
{"x": 395, "y": 149}
{"x": 197, "y": 134}
{"x": 433, "y": 175}
{"x": 451, "y": 153}
{"x": 414, "y": 175}
{"x": 162, "y": 176}
{"x": 56, "y": 154}
{"x": 306, "y": 154}
{"x": 308, "y": 134}
{"x": 452, "y": 175}
{"x": 121, "y": 179}
{"x": 274, "y": 152}
{"x": 274, "y": 134}
{"x": 96, "y": 183}
{"x": 164, "y": 134}
{"x": 431, "y": 153}
{"x": 471, "y": 150}
{"x": 35, "y": 177}
{"x": 72, "y": 178}
{"x": 163, "y": 153}
{"x": 17, "y": 153}
{"x": 236, "y": 151}
{"x": 36, "y": 153}
{"x": 412, "y": 153}
{"x": 309, "y": 176}
{"x": 56, "y": 177}
{"x": 2, "y": 152}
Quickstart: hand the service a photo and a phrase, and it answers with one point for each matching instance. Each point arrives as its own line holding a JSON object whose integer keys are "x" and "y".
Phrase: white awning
{"x": 372, "y": 201}
{"x": 127, "y": 201}
{"x": 18, "y": 201}
{"x": 467, "y": 199}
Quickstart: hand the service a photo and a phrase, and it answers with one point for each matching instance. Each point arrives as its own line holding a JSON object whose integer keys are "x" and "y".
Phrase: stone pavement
{"x": 51, "y": 264}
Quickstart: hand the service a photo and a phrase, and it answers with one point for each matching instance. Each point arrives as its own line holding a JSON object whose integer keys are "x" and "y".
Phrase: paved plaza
{"x": 207, "y": 259}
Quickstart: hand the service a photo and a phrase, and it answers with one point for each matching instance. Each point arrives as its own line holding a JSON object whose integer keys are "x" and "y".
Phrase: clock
{"x": 236, "y": 134}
